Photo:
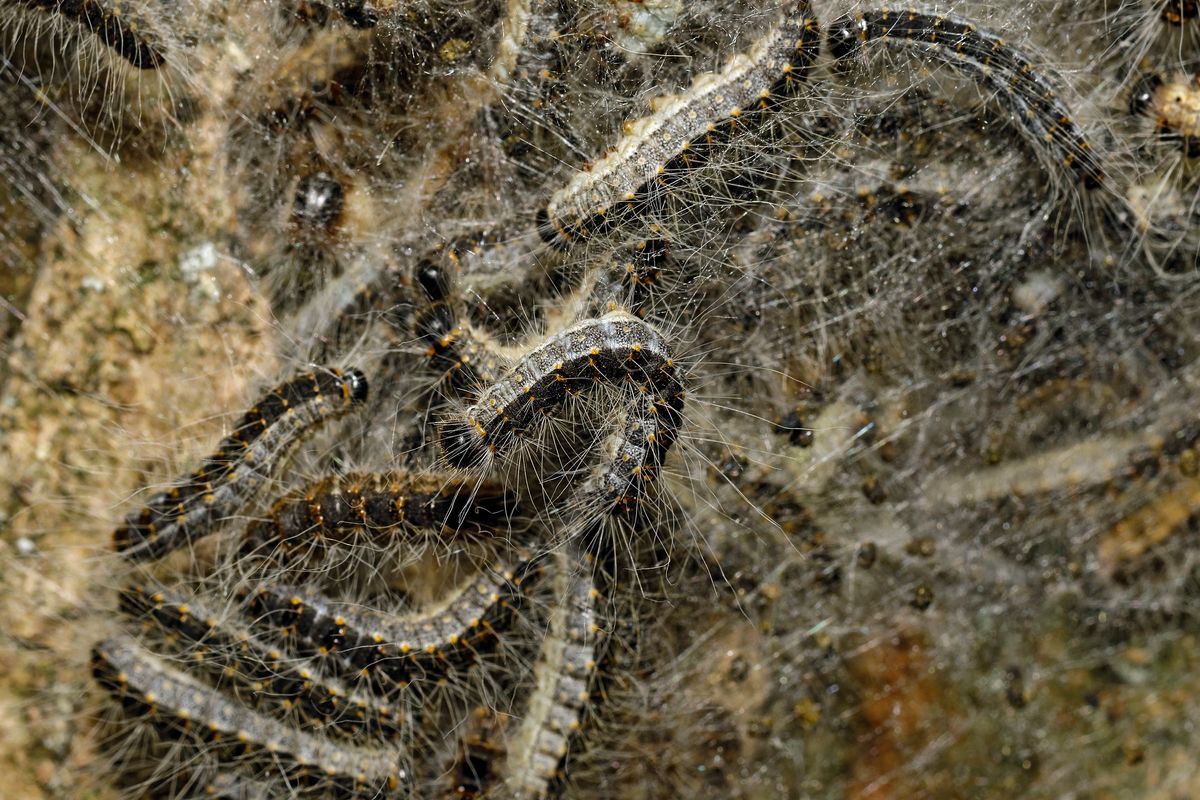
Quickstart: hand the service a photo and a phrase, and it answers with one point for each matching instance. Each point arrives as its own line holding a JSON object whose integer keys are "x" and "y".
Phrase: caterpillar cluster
{"x": 287, "y": 677}
{"x": 712, "y": 433}
{"x": 1010, "y": 73}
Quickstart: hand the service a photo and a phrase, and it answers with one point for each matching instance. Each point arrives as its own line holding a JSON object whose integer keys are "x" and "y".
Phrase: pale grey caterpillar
{"x": 389, "y": 651}
{"x": 181, "y": 707}
{"x": 617, "y": 350}
{"x": 256, "y": 673}
{"x": 553, "y": 715}
{"x": 673, "y": 139}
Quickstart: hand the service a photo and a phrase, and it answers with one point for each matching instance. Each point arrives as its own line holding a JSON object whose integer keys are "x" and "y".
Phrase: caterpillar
{"x": 194, "y": 506}
{"x": 617, "y": 350}
{"x": 109, "y": 26}
{"x": 178, "y": 705}
{"x": 391, "y": 651}
{"x": 562, "y": 673}
{"x": 958, "y": 43}
{"x": 257, "y": 673}
{"x": 649, "y": 432}
{"x": 380, "y": 506}
{"x": 674, "y": 138}
{"x": 631, "y": 279}
{"x": 458, "y": 352}
{"x": 463, "y": 356}
{"x": 641, "y": 272}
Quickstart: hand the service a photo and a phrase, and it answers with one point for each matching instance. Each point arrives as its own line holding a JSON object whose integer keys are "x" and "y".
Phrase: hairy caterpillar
{"x": 178, "y": 705}
{"x": 869, "y": 327}
{"x": 1040, "y": 113}
{"x": 390, "y": 651}
{"x": 617, "y": 350}
{"x": 107, "y": 24}
{"x": 377, "y": 506}
{"x": 553, "y": 714}
{"x": 257, "y": 673}
{"x": 454, "y": 348}
{"x": 674, "y": 138}
{"x": 194, "y": 506}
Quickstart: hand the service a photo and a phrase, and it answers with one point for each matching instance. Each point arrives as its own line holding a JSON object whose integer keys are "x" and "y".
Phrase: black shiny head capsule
{"x": 435, "y": 323}
{"x": 358, "y": 386}
{"x": 1142, "y": 95}
{"x": 357, "y": 13}
{"x": 433, "y": 279}
{"x": 844, "y": 38}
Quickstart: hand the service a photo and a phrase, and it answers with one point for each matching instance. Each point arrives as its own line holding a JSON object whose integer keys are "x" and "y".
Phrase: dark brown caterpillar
{"x": 1039, "y": 111}
{"x": 226, "y": 480}
{"x": 463, "y": 356}
{"x": 380, "y": 507}
{"x": 256, "y": 673}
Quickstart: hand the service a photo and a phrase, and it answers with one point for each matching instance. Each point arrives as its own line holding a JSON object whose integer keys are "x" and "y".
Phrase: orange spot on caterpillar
{"x": 980, "y": 53}
{"x": 776, "y": 63}
{"x": 273, "y": 426}
{"x": 617, "y": 350}
{"x": 144, "y": 684}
